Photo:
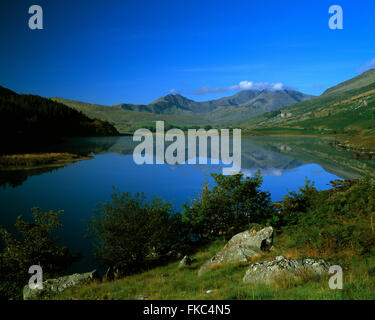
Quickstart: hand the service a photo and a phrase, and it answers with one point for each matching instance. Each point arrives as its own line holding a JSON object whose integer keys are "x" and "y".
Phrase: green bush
{"x": 338, "y": 219}
{"x": 129, "y": 230}
{"x": 295, "y": 204}
{"x": 228, "y": 207}
{"x": 33, "y": 246}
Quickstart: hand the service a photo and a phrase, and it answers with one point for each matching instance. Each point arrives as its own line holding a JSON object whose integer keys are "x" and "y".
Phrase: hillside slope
{"x": 360, "y": 81}
{"x": 340, "y": 110}
{"x": 128, "y": 120}
{"x": 30, "y": 115}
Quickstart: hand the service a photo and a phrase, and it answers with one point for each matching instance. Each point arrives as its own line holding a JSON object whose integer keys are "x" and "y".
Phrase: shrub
{"x": 129, "y": 230}
{"x": 339, "y": 218}
{"x": 228, "y": 207}
{"x": 33, "y": 246}
{"x": 295, "y": 203}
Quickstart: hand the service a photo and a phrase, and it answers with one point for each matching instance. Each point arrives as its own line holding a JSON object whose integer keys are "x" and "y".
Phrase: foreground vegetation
{"x": 336, "y": 225}
{"x": 141, "y": 239}
{"x": 33, "y": 245}
{"x": 171, "y": 282}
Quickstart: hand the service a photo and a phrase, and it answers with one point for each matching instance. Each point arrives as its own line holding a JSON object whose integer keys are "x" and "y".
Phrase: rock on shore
{"x": 53, "y": 286}
{"x": 266, "y": 272}
{"x": 241, "y": 248}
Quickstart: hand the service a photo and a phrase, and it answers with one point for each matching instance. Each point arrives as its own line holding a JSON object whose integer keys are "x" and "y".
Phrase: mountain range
{"x": 264, "y": 100}
{"x": 348, "y": 107}
{"x": 180, "y": 111}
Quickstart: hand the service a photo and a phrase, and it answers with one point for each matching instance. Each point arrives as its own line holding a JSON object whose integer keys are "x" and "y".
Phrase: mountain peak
{"x": 266, "y": 100}
{"x": 175, "y": 96}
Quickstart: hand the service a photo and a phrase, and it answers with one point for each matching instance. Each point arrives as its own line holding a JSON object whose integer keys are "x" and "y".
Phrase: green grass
{"x": 336, "y": 225}
{"x": 171, "y": 282}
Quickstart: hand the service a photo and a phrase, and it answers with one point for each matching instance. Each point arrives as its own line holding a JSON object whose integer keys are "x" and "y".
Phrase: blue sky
{"x": 109, "y": 52}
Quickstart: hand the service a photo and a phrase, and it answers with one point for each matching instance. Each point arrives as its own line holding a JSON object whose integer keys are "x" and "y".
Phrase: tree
{"x": 295, "y": 204}
{"x": 33, "y": 246}
{"x": 229, "y": 207}
{"x": 129, "y": 230}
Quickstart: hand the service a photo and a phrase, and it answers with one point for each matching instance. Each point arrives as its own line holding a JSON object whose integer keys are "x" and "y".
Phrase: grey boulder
{"x": 53, "y": 286}
{"x": 267, "y": 272}
{"x": 241, "y": 248}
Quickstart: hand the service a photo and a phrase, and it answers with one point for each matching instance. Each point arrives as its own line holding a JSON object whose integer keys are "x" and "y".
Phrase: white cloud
{"x": 278, "y": 86}
{"x": 243, "y": 85}
{"x": 368, "y": 65}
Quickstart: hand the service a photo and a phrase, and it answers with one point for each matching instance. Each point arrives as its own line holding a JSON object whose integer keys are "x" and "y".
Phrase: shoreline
{"x": 342, "y": 140}
{"x": 33, "y": 161}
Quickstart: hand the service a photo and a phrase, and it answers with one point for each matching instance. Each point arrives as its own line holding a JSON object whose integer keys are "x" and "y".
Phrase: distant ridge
{"x": 262, "y": 100}
{"x": 179, "y": 111}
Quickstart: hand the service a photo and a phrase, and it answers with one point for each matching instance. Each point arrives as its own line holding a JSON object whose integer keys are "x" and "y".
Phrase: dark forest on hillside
{"x": 24, "y": 116}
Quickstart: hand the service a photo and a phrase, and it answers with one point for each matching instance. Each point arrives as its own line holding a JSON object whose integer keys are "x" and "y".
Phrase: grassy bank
{"x": 335, "y": 225}
{"x": 37, "y": 160}
{"x": 136, "y": 238}
{"x": 171, "y": 282}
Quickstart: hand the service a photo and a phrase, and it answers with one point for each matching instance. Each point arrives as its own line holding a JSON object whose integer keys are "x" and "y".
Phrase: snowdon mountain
{"x": 182, "y": 112}
{"x": 261, "y": 100}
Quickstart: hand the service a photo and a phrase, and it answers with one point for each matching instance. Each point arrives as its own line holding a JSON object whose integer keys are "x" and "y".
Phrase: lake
{"x": 285, "y": 163}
